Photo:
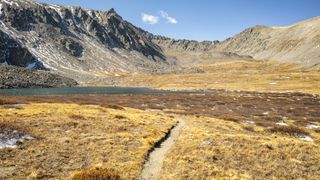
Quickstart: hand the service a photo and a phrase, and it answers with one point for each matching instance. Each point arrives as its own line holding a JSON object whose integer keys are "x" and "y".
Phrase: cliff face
{"x": 87, "y": 44}
{"x": 74, "y": 41}
{"x": 12, "y": 53}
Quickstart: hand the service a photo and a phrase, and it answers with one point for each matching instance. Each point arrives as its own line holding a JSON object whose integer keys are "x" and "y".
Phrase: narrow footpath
{"x": 152, "y": 167}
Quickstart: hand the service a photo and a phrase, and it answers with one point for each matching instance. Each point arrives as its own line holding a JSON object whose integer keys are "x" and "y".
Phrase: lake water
{"x": 82, "y": 90}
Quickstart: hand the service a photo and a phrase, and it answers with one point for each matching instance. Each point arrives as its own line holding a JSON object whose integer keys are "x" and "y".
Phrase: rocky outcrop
{"x": 12, "y": 53}
{"x": 16, "y": 77}
{"x": 78, "y": 42}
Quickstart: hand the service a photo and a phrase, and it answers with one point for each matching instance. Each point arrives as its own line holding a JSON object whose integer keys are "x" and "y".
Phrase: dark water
{"x": 81, "y": 90}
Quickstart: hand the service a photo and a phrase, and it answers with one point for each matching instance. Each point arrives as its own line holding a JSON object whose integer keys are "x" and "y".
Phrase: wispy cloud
{"x": 169, "y": 19}
{"x": 149, "y": 19}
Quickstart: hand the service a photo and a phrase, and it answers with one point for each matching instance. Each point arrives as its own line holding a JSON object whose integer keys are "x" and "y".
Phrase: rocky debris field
{"x": 14, "y": 77}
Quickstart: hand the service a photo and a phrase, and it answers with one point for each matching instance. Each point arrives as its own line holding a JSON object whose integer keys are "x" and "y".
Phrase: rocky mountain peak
{"x": 71, "y": 36}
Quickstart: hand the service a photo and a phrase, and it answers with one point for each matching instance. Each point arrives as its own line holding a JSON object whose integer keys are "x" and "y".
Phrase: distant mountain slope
{"x": 78, "y": 42}
{"x": 87, "y": 44}
{"x": 298, "y": 43}
{"x": 183, "y": 45}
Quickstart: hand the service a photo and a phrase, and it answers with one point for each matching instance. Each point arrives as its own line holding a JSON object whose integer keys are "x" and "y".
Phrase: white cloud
{"x": 169, "y": 19}
{"x": 149, "y": 19}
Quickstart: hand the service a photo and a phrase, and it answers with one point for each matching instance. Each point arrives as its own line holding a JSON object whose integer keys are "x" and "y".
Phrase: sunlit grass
{"x": 266, "y": 76}
{"x": 76, "y": 139}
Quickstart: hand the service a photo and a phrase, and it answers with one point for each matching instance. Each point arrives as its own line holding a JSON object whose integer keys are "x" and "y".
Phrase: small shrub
{"x": 96, "y": 174}
{"x": 120, "y": 117}
{"x": 112, "y": 106}
{"x": 231, "y": 117}
{"x": 7, "y": 100}
{"x": 76, "y": 117}
{"x": 248, "y": 128}
{"x": 289, "y": 130}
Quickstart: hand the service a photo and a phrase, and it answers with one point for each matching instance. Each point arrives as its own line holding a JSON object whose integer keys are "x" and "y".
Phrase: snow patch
{"x": 306, "y": 138}
{"x": 1, "y": 8}
{"x": 12, "y": 139}
{"x": 281, "y": 123}
{"x": 56, "y": 8}
{"x": 312, "y": 126}
{"x": 250, "y": 122}
{"x": 11, "y": 3}
{"x": 31, "y": 65}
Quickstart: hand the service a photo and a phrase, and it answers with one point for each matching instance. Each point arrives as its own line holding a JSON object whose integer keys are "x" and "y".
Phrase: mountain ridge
{"x": 86, "y": 44}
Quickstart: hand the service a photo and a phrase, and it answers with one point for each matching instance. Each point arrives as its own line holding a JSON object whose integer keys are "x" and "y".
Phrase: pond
{"x": 82, "y": 90}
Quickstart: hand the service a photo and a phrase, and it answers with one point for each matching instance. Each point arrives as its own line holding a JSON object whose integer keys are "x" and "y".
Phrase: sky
{"x": 203, "y": 19}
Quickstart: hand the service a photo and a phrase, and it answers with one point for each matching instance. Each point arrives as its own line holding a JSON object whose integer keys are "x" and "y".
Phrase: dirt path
{"x": 153, "y": 166}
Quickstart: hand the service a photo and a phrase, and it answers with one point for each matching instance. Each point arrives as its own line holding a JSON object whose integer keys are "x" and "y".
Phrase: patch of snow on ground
{"x": 250, "y": 122}
{"x": 56, "y": 8}
{"x": 12, "y": 139}
{"x": 306, "y": 138}
{"x": 281, "y": 123}
{"x": 11, "y": 3}
{"x": 1, "y": 8}
{"x": 312, "y": 126}
{"x": 31, "y": 65}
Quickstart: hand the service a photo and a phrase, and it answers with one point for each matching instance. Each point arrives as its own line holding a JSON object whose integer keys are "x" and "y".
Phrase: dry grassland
{"x": 209, "y": 148}
{"x": 258, "y": 76}
{"x": 78, "y": 141}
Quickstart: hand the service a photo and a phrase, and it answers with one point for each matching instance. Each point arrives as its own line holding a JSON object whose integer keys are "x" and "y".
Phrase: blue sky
{"x": 203, "y": 19}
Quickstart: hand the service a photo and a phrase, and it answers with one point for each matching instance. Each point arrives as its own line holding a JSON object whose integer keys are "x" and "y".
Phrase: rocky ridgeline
{"x": 16, "y": 77}
{"x": 75, "y": 41}
{"x": 183, "y": 44}
{"x": 84, "y": 44}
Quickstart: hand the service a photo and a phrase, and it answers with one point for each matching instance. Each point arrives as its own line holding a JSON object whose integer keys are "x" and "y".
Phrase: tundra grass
{"x": 257, "y": 76}
{"x": 74, "y": 141}
{"x": 209, "y": 148}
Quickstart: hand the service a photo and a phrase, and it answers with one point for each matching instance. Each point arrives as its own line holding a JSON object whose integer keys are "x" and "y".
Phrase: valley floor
{"x": 239, "y": 135}
{"x": 236, "y": 75}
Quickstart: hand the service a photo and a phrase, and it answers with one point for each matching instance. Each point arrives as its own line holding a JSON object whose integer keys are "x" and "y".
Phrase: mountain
{"x": 89, "y": 45}
{"x": 75, "y": 42}
{"x": 298, "y": 43}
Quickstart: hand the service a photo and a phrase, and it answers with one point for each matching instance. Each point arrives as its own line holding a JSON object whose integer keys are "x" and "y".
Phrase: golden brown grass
{"x": 7, "y": 100}
{"x": 72, "y": 138}
{"x": 209, "y": 148}
{"x": 266, "y": 76}
{"x": 96, "y": 174}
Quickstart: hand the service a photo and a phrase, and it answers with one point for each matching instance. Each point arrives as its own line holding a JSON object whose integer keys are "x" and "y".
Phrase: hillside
{"x": 99, "y": 46}
{"x": 75, "y": 42}
{"x": 298, "y": 43}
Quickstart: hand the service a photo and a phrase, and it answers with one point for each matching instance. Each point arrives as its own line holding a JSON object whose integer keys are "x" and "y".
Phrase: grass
{"x": 112, "y": 106}
{"x": 96, "y": 174}
{"x": 72, "y": 138}
{"x": 210, "y": 148}
{"x": 7, "y": 100}
{"x": 217, "y": 142}
{"x": 263, "y": 108}
{"x": 265, "y": 76}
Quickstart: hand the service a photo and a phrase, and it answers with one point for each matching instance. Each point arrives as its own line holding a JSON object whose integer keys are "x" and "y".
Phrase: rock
{"x": 15, "y": 77}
